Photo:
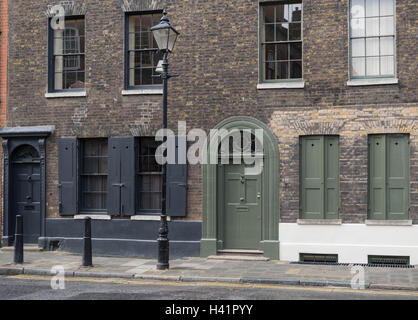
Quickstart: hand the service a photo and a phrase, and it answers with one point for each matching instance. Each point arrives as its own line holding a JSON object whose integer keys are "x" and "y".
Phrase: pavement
{"x": 221, "y": 270}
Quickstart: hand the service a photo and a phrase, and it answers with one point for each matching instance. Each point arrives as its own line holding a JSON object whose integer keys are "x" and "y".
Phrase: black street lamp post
{"x": 165, "y": 36}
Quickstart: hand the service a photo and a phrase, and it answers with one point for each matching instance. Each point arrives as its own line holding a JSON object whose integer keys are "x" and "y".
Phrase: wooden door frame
{"x": 211, "y": 242}
{"x": 14, "y": 138}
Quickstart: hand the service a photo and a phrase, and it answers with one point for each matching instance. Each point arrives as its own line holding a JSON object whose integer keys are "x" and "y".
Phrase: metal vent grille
{"x": 388, "y": 260}
{"x": 318, "y": 258}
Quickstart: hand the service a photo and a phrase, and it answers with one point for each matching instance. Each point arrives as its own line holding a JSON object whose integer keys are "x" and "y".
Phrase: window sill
{"x": 315, "y": 222}
{"x": 70, "y": 94}
{"x": 135, "y": 92}
{"x": 148, "y": 218}
{"x": 372, "y": 82}
{"x": 389, "y": 222}
{"x": 282, "y": 85}
{"x": 93, "y": 217}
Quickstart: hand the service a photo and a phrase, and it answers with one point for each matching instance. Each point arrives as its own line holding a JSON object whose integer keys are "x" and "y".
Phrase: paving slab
{"x": 203, "y": 270}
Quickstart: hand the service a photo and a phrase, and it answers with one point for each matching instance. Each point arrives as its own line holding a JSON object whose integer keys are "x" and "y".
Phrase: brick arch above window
{"x": 71, "y": 8}
{"x": 142, "y": 5}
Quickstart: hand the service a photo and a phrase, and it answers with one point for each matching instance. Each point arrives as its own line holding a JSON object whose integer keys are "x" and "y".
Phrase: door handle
{"x": 259, "y": 195}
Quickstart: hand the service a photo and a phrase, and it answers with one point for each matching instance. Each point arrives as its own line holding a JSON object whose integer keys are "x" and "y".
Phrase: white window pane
{"x": 357, "y": 27}
{"x": 358, "y": 67}
{"x": 372, "y": 47}
{"x": 386, "y": 7}
{"x": 358, "y": 48}
{"x": 386, "y": 26}
{"x": 387, "y": 65}
{"x": 386, "y": 46}
{"x": 357, "y": 8}
{"x": 372, "y": 27}
{"x": 372, "y": 8}
{"x": 372, "y": 66}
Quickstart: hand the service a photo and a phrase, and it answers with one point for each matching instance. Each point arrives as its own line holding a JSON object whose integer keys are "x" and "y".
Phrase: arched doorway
{"x": 240, "y": 210}
{"x": 26, "y": 191}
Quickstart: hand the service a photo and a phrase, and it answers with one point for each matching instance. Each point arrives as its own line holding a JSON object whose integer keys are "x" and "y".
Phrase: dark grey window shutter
{"x": 127, "y": 156}
{"x": 67, "y": 171}
{"x": 177, "y": 183}
{"x": 121, "y": 177}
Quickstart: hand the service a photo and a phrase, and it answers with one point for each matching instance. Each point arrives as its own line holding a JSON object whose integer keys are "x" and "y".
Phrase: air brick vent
{"x": 318, "y": 258}
{"x": 388, "y": 260}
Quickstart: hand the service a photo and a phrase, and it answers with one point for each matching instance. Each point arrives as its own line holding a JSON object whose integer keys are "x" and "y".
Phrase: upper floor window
{"x": 372, "y": 38}
{"x": 281, "y": 41}
{"x": 67, "y": 56}
{"x": 141, "y": 50}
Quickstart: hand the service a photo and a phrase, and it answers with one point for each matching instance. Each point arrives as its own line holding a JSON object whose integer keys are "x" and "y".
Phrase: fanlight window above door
{"x": 25, "y": 153}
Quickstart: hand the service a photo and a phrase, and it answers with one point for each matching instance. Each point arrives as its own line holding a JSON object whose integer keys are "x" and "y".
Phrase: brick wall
{"x": 3, "y": 88}
{"x": 217, "y": 59}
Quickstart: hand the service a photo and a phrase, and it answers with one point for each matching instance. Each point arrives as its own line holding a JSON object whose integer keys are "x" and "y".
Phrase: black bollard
{"x": 18, "y": 256}
{"x": 87, "y": 250}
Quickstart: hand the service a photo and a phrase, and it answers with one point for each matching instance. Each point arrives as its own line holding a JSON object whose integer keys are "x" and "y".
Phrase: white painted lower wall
{"x": 352, "y": 242}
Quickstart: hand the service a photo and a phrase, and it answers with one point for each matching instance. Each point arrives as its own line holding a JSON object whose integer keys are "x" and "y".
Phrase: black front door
{"x": 26, "y": 192}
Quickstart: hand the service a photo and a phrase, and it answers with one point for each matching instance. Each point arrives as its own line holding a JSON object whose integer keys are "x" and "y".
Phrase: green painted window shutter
{"x": 377, "y": 177}
{"x": 398, "y": 177}
{"x": 319, "y": 177}
{"x": 389, "y": 177}
{"x": 332, "y": 177}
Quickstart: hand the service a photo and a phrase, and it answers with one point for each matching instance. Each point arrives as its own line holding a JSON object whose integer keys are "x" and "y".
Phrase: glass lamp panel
{"x": 161, "y": 36}
{"x": 372, "y": 47}
{"x": 358, "y": 48}
{"x": 172, "y": 39}
{"x": 372, "y": 66}
{"x": 386, "y": 26}
{"x": 387, "y": 66}
{"x": 357, "y": 9}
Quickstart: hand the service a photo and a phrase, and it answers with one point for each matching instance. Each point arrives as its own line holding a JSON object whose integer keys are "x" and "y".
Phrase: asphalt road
{"x": 39, "y": 288}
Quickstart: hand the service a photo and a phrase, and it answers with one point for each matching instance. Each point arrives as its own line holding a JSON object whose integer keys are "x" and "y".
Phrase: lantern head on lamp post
{"x": 165, "y": 36}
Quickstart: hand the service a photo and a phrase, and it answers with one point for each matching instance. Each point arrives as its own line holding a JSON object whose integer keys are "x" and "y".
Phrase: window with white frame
{"x": 372, "y": 39}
